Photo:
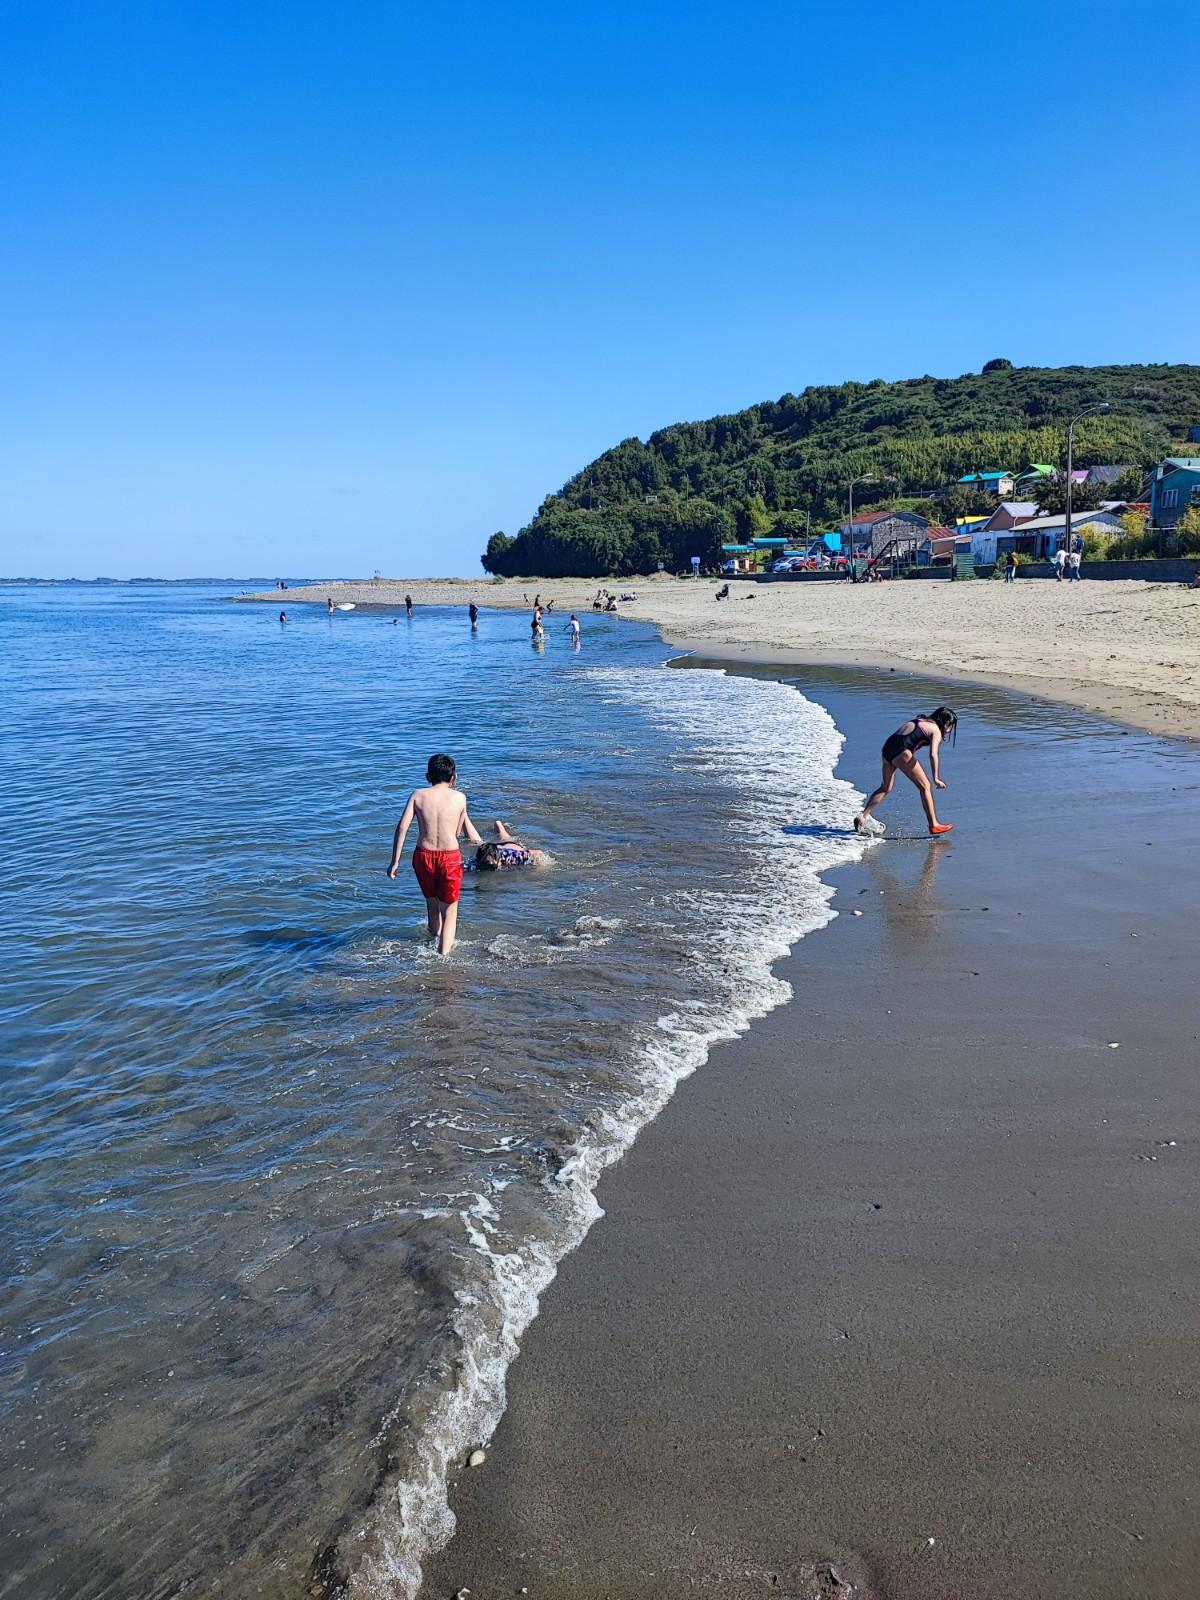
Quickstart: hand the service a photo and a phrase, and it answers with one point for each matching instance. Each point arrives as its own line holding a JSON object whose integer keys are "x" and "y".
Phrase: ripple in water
{"x": 282, "y": 1189}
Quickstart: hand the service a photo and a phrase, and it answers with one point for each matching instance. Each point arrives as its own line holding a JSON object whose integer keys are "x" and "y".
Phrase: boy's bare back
{"x": 441, "y": 814}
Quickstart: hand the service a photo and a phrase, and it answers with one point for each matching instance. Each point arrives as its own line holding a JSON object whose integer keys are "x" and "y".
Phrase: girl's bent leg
{"x": 915, "y": 773}
{"x": 880, "y": 794}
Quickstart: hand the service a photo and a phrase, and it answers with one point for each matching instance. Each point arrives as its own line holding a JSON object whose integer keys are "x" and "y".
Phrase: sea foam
{"x": 788, "y": 820}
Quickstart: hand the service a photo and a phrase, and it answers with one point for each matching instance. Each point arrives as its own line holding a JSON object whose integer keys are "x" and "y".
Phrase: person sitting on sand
{"x": 723, "y": 592}
{"x": 507, "y": 852}
{"x": 899, "y": 755}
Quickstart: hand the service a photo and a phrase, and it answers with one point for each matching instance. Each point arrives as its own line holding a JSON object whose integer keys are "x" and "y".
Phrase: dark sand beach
{"x": 901, "y": 1289}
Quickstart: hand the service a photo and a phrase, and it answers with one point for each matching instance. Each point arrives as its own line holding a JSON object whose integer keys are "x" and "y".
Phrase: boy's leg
{"x": 449, "y": 925}
{"x": 433, "y": 911}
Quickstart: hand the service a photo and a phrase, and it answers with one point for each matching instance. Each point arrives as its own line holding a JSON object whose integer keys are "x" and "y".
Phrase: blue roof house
{"x": 1001, "y": 484}
{"x": 1174, "y": 487}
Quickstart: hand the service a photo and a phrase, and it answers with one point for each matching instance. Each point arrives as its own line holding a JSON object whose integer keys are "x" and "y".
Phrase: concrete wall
{"x": 1174, "y": 569}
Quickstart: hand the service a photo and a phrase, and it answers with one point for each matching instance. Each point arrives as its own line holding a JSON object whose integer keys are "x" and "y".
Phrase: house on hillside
{"x": 941, "y": 546}
{"x": 1008, "y": 515}
{"x": 1105, "y": 475}
{"x": 887, "y": 532}
{"x": 1174, "y": 486}
{"x": 1001, "y": 484}
{"x": 1034, "y": 471}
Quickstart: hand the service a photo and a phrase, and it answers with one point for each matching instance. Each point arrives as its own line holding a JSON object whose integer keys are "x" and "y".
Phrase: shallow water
{"x": 280, "y": 1187}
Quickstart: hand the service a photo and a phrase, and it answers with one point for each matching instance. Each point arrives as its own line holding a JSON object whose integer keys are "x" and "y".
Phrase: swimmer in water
{"x": 473, "y": 613}
{"x": 507, "y": 852}
{"x": 283, "y": 616}
{"x": 900, "y": 755}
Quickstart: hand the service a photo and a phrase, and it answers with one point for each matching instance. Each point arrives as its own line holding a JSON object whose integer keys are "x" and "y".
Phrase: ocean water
{"x": 281, "y": 1188}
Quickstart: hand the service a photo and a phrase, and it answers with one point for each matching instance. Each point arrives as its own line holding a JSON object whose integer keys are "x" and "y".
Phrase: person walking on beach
{"x": 1060, "y": 561}
{"x": 408, "y": 606}
{"x": 441, "y": 815}
{"x": 1074, "y": 562}
{"x": 1010, "y": 567}
{"x": 899, "y": 755}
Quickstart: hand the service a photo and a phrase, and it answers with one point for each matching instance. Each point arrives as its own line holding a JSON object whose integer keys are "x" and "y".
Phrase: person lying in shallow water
{"x": 507, "y": 852}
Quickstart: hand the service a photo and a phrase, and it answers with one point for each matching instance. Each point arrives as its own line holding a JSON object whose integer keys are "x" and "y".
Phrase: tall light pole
{"x": 1088, "y": 411}
{"x": 863, "y": 477}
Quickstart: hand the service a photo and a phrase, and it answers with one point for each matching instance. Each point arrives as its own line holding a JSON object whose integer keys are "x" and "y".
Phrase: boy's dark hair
{"x": 441, "y": 769}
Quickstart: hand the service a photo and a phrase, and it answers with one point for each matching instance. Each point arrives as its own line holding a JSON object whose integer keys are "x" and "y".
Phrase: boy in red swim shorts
{"x": 441, "y": 815}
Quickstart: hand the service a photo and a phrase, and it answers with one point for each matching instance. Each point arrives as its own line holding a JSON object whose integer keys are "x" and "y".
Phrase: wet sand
{"x": 901, "y": 1289}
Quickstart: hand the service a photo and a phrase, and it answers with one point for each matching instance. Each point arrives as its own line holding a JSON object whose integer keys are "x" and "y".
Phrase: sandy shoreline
{"x": 1129, "y": 650}
{"x": 900, "y": 1285}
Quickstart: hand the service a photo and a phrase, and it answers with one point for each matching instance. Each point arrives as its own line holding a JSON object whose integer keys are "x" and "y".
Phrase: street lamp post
{"x": 863, "y": 477}
{"x": 1088, "y": 411}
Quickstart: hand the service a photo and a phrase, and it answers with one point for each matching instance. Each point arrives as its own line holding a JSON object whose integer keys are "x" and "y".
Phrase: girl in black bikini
{"x": 900, "y": 755}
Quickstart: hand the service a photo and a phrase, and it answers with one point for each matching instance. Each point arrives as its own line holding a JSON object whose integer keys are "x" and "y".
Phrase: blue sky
{"x": 322, "y": 289}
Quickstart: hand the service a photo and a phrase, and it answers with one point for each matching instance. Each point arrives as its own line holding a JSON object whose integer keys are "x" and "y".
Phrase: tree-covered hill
{"x": 783, "y": 465}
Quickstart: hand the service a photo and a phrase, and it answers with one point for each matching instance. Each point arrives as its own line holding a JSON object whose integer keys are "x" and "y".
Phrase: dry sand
{"x": 1128, "y": 649}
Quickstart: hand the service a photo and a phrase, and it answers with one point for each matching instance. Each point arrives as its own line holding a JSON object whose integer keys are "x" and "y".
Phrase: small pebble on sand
{"x": 476, "y": 1458}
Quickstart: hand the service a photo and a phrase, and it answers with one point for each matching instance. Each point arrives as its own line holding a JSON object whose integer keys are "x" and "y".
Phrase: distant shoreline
{"x": 1125, "y": 649}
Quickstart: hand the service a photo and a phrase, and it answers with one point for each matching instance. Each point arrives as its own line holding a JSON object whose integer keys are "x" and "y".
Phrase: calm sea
{"x": 280, "y": 1187}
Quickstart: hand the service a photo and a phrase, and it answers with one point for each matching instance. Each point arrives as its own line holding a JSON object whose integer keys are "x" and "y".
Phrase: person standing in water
{"x": 283, "y": 616}
{"x": 900, "y": 755}
{"x": 408, "y": 606}
{"x": 572, "y": 628}
{"x": 473, "y": 613}
{"x": 440, "y": 812}
{"x": 329, "y": 605}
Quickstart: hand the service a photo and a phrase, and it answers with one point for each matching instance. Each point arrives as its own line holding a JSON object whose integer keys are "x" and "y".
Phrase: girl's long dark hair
{"x": 947, "y": 721}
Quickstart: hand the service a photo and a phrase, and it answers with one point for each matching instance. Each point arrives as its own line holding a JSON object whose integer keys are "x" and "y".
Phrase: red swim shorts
{"x": 440, "y": 874}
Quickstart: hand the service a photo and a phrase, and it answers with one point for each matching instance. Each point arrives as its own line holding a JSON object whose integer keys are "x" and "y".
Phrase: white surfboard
{"x": 344, "y": 605}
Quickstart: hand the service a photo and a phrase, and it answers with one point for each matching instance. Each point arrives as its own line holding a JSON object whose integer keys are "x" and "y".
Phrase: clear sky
{"x": 319, "y": 289}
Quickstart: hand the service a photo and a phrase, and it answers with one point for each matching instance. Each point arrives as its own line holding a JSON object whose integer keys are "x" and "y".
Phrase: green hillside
{"x": 779, "y": 465}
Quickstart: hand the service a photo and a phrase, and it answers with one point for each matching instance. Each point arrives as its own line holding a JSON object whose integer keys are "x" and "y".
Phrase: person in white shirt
{"x": 1060, "y": 561}
{"x": 1074, "y": 561}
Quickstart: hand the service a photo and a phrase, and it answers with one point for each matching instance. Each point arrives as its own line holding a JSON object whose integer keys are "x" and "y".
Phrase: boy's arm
{"x": 468, "y": 827}
{"x": 398, "y": 838}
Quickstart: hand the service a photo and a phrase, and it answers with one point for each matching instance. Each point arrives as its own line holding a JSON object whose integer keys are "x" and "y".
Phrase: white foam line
{"x": 736, "y": 728}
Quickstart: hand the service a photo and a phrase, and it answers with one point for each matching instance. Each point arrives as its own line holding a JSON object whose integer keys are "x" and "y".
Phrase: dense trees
{"x": 693, "y": 486}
